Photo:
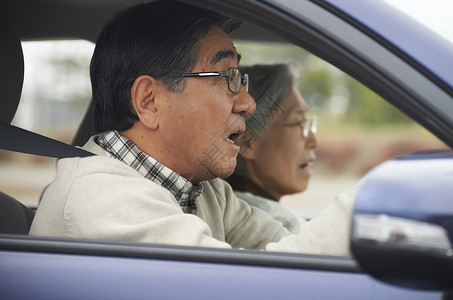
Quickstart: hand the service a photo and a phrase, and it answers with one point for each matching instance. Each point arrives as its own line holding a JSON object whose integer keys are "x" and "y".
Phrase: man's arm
{"x": 325, "y": 234}
{"x": 243, "y": 226}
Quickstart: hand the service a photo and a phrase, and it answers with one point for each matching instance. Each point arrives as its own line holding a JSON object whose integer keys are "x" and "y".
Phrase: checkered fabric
{"x": 125, "y": 150}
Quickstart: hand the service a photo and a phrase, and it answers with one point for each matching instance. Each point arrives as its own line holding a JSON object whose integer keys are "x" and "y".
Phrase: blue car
{"x": 402, "y": 224}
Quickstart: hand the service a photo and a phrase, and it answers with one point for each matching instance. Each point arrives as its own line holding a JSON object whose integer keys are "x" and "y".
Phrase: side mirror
{"x": 402, "y": 224}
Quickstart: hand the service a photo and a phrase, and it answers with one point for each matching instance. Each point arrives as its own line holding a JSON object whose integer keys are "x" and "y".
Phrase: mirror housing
{"x": 402, "y": 223}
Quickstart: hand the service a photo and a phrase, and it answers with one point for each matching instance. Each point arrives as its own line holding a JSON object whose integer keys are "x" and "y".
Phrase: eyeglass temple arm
{"x": 202, "y": 74}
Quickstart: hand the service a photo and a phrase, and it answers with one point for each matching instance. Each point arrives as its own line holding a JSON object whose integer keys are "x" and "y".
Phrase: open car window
{"x": 357, "y": 129}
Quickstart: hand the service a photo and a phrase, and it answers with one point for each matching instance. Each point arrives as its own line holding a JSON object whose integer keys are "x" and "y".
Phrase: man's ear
{"x": 247, "y": 141}
{"x": 143, "y": 96}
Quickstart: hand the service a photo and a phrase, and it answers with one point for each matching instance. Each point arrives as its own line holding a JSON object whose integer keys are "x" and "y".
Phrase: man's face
{"x": 202, "y": 122}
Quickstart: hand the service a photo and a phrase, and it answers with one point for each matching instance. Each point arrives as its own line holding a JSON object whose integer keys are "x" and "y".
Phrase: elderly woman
{"x": 277, "y": 150}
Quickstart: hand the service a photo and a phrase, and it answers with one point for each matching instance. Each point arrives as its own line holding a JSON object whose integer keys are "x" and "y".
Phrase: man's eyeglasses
{"x": 234, "y": 77}
{"x": 308, "y": 125}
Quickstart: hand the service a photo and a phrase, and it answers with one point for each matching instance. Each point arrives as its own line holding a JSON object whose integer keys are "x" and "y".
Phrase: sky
{"x": 435, "y": 14}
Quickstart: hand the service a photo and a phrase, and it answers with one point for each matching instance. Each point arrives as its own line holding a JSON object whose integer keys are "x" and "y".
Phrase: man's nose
{"x": 244, "y": 103}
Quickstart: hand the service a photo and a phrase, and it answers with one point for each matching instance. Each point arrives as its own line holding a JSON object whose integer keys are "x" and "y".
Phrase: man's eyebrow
{"x": 224, "y": 54}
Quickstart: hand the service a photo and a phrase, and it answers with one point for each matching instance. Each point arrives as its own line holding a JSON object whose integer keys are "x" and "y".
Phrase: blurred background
{"x": 357, "y": 129}
{"x": 55, "y": 96}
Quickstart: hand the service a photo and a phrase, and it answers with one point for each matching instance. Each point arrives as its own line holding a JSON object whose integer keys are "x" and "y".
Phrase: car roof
{"x": 84, "y": 19}
{"x": 63, "y": 18}
{"x": 81, "y": 19}
{"x": 410, "y": 37}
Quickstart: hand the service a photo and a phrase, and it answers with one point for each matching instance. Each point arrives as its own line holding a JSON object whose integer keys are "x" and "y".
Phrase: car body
{"x": 362, "y": 38}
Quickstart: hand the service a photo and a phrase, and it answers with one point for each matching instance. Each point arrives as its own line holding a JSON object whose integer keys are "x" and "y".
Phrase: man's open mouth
{"x": 232, "y": 138}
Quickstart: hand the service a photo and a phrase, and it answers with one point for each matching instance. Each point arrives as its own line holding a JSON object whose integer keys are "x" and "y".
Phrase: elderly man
{"x": 169, "y": 106}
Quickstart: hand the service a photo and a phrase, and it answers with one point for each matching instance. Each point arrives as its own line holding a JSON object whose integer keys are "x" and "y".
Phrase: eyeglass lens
{"x": 235, "y": 80}
{"x": 309, "y": 125}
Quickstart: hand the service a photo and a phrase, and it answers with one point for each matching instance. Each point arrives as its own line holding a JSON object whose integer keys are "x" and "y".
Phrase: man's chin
{"x": 211, "y": 170}
{"x": 223, "y": 171}
{"x": 226, "y": 174}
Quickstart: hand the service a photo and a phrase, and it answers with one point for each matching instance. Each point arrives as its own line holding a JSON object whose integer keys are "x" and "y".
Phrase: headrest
{"x": 11, "y": 72}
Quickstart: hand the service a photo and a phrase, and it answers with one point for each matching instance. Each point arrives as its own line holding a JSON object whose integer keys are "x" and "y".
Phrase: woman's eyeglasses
{"x": 307, "y": 126}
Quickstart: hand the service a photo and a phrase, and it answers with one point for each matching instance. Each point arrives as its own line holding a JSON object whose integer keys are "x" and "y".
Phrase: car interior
{"x": 22, "y": 21}
{"x": 14, "y": 216}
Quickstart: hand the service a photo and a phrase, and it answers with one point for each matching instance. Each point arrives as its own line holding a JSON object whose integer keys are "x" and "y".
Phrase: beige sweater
{"x": 99, "y": 197}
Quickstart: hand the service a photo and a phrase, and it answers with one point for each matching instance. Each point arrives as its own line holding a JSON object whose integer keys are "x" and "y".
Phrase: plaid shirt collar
{"x": 125, "y": 150}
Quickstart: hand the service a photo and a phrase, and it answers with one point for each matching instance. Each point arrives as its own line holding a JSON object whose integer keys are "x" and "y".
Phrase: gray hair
{"x": 159, "y": 39}
{"x": 268, "y": 85}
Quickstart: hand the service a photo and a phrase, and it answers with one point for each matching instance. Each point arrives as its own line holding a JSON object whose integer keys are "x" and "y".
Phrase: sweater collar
{"x": 123, "y": 149}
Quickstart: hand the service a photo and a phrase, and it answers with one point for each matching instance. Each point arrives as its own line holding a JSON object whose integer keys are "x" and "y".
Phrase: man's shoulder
{"x": 102, "y": 175}
{"x": 93, "y": 147}
{"x": 100, "y": 163}
{"x": 218, "y": 185}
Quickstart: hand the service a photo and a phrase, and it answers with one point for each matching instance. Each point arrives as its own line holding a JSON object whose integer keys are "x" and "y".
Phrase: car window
{"x": 357, "y": 129}
{"x": 55, "y": 96}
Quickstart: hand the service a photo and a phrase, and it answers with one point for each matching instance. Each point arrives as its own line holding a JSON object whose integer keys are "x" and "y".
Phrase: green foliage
{"x": 326, "y": 89}
{"x": 368, "y": 108}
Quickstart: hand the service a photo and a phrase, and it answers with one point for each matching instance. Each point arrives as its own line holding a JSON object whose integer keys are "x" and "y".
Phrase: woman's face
{"x": 281, "y": 161}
